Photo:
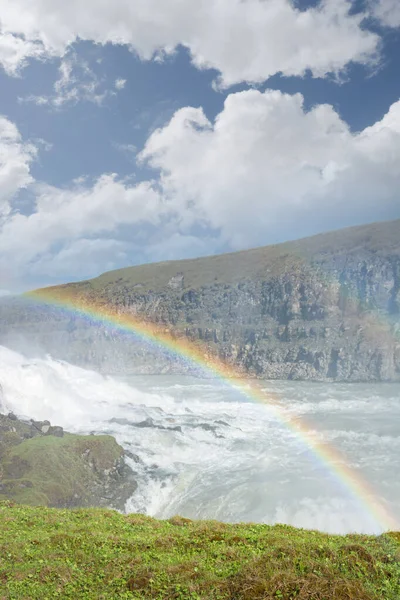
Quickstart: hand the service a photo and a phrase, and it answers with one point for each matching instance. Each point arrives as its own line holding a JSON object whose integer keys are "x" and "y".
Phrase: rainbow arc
{"x": 160, "y": 337}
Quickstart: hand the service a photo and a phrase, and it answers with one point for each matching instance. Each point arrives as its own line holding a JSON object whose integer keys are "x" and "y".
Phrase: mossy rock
{"x": 64, "y": 472}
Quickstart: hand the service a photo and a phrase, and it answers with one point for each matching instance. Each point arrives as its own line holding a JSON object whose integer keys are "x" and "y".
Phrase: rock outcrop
{"x": 42, "y": 464}
{"x": 321, "y": 308}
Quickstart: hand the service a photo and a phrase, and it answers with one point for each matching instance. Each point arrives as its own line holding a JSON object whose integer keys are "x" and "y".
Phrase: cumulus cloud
{"x": 387, "y": 12}
{"x": 244, "y": 41}
{"x": 266, "y": 165}
{"x": 264, "y": 170}
{"x": 63, "y": 223}
{"x": 15, "y": 160}
{"x": 62, "y": 215}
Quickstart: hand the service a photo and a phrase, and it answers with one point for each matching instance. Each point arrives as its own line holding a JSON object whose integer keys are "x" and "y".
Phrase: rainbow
{"x": 163, "y": 338}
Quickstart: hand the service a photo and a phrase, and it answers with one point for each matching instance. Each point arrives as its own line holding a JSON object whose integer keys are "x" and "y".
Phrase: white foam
{"x": 71, "y": 396}
{"x": 333, "y": 515}
{"x": 230, "y": 459}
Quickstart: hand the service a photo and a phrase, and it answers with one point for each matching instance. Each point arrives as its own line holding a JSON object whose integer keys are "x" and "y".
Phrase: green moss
{"x": 100, "y": 554}
{"x": 55, "y": 471}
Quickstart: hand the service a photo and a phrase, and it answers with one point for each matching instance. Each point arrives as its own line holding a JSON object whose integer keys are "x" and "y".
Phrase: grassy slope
{"x": 103, "y": 555}
{"x": 378, "y": 238}
{"x": 50, "y": 470}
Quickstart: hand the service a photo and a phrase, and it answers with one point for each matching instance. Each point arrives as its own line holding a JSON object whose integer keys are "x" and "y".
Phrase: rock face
{"x": 44, "y": 428}
{"x": 40, "y": 464}
{"x": 321, "y": 308}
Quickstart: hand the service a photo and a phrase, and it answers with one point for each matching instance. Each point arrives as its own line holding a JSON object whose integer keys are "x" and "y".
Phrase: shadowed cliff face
{"x": 327, "y": 307}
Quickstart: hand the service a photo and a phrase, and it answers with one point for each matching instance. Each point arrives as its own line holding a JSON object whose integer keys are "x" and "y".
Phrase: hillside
{"x": 96, "y": 554}
{"x": 322, "y": 308}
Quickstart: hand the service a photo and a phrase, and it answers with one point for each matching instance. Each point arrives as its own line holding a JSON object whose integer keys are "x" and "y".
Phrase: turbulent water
{"x": 205, "y": 451}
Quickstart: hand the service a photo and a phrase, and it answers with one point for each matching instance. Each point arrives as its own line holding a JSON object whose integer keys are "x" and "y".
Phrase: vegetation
{"x": 103, "y": 555}
{"x": 55, "y": 471}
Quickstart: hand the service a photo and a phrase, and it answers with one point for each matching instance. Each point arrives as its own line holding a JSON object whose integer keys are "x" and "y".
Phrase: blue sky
{"x": 181, "y": 129}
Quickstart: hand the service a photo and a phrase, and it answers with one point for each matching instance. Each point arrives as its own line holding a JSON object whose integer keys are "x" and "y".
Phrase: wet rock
{"x": 206, "y": 427}
{"x": 55, "y": 430}
{"x": 146, "y": 423}
{"x": 121, "y": 421}
{"x": 41, "y": 426}
{"x": 149, "y": 422}
{"x": 132, "y": 456}
{"x": 178, "y": 428}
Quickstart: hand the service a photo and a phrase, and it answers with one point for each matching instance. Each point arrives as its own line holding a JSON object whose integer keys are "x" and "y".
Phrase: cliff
{"x": 321, "y": 308}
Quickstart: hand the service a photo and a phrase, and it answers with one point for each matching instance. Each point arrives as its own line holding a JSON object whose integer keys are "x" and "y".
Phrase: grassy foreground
{"x": 101, "y": 555}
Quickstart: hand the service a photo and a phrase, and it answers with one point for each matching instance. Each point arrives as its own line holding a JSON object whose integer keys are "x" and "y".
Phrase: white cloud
{"x": 58, "y": 228}
{"x": 243, "y": 40}
{"x": 266, "y": 166}
{"x": 120, "y": 84}
{"x": 44, "y": 144}
{"x": 76, "y": 82}
{"x": 99, "y": 255}
{"x": 62, "y": 215}
{"x": 15, "y": 159}
{"x": 264, "y": 170}
{"x": 387, "y": 11}
{"x": 15, "y": 51}
{"x": 129, "y": 151}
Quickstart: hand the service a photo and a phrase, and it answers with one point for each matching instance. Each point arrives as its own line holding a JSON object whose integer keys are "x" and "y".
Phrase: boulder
{"x": 55, "y": 430}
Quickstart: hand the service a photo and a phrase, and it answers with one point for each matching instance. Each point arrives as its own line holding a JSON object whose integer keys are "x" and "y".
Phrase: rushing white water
{"x": 204, "y": 451}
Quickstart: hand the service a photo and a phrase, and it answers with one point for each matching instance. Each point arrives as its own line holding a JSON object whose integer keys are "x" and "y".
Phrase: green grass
{"x": 103, "y": 555}
{"x": 48, "y": 470}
